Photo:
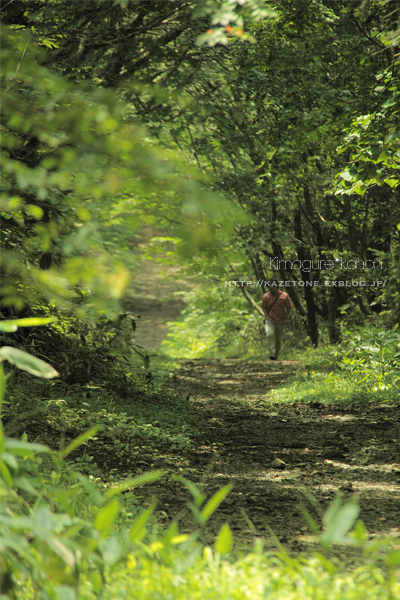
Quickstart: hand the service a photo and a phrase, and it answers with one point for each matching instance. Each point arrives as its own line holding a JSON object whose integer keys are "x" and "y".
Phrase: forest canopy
{"x": 290, "y": 115}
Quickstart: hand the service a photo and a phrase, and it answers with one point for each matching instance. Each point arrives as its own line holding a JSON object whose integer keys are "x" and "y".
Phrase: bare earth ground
{"x": 153, "y": 297}
{"x": 326, "y": 450}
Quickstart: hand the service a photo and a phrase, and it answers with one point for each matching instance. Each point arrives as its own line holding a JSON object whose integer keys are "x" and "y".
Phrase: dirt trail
{"x": 152, "y": 295}
{"x": 326, "y": 449}
{"x": 231, "y": 377}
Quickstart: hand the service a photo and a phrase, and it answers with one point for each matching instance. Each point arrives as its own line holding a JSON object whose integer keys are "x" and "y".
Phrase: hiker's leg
{"x": 278, "y": 338}
{"x": 270, "y": 331}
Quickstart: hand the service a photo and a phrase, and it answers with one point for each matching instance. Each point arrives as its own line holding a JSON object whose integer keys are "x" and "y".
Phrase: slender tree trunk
{"x": 308, "y": 292}
{"x": 333, "y": 327}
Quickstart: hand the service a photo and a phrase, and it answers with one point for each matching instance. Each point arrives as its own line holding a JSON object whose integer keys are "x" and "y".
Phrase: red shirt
{"x": 277, "y": 314}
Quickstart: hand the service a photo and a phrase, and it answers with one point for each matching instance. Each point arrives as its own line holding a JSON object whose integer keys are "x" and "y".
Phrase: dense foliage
{"x": 299, "y": 128}
{"x": 263, "y": 136}
{"x": 77, "y": 181}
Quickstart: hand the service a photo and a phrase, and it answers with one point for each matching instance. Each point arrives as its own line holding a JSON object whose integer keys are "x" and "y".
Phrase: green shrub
{"x": 372, "y": 355}
{"x": 364, "y": 368}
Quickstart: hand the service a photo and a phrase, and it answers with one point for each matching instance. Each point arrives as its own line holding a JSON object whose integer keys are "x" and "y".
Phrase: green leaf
{"x": 332, "y": 512}
{"x": 338, "y": 521}
{"x": 27, "y": 362}
{"x": 28, "y": 322}
{"x": 7, "y": 326}
{"x": 96, "y": 581}
{"x": 10, "y": 460}
{"x": 346, "y": 175}
{"x": 215, "y": 501}
{"x": 121, "y": 317}
{"x": 106, "y": 516}
{"x": 393, "y": 560}
{"x": 344, "y": 306}
{"x": 131, "y": 483}
{"x": 138, "y": 529}
{"x": 310, "y": 521}
{"x": 196, "y": 514}
{"x": 360, "y": 533}
{"x": 392, "y": 182}
{"x": 24, "y": 448}
{"x": 197, "y": 494}
{"x": 79, "y": 441}
{"x": 3, "y": 380}
{"x": 5, "y": 474}
{"x": 170, "y": 533}
{"x": 112, "y": 551}
{"x": 64, "y": 592}
{"x": 62, "y": 551}
{"x": 35, "y": 211}
{"x": 360, "y": 189}
{"x": 24, "y": 484}
{"x": 224, "y": 540}
{"x": 91, "y": 489}
{"x": 138, "y": 352}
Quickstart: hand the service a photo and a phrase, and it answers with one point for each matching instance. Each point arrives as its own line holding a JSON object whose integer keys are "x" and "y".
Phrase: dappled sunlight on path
{"x": 322, "y": 449}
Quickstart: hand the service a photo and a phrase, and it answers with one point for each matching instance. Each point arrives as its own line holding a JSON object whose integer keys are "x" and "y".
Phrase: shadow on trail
{"x": 325, "y": 449}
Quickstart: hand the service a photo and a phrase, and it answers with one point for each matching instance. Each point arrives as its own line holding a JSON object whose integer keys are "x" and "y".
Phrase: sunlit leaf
{"x": 8, "y": 326}
{"x": 215, "y": 501}
{"x": 28, "y": 322}
{"x": 27, "y": 362}
{"x": 106, "y": 516}
{"x": 224, "y": 540}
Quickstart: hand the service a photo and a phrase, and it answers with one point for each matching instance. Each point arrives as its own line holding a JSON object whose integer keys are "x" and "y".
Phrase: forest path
{"x": 326, "y": 450}
{"x": 202, "y": 378}
{"x": 152, "y": 294}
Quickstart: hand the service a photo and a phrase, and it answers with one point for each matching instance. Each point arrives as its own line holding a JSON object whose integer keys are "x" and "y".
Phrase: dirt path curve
{"x": 326, "y": 449}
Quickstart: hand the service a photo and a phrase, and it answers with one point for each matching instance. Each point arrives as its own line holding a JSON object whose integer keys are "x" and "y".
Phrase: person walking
{"x": 276, "y": 306}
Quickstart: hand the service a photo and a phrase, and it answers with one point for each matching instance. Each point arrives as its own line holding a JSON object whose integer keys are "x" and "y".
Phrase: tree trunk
{"x": 312, "y": 327}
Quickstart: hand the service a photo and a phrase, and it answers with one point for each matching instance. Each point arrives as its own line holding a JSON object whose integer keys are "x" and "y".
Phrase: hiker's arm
{"x": 287, "y": 312}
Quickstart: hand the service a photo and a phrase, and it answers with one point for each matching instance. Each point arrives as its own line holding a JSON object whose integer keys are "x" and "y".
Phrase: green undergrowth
{"x": 105, "y": 380}
{"x": 364, "y": 368}
{"x": 137, "y": 428}
{"x": 255, "y": 576}
{"x": 69, "y": 533}
{"x": 332, "y": 388}
{"x": 217, "y": 322}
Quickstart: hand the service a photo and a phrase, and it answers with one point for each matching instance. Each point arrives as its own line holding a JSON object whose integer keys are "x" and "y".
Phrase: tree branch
{"x": 249, "y": 298}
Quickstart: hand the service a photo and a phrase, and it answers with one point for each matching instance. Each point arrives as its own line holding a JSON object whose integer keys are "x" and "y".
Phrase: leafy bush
{"x": 372, "y": 355}
{"x": 77, "y": 180}
{"x": 218, "y": 321}
{"x": 364, "y": 368}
